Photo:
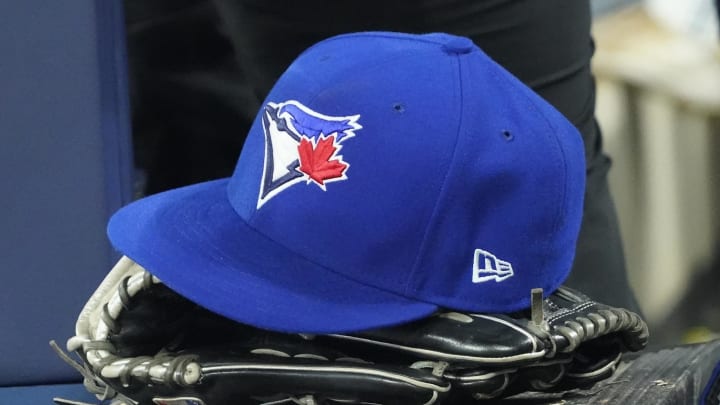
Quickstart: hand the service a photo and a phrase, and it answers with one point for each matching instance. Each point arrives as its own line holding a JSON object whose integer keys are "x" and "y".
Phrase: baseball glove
{"x": 141, "y": 343}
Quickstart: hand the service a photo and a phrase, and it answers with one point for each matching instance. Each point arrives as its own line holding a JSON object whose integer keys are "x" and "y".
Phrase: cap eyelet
{"x": 399, "y": 108}
{"x": 507, "y": 135}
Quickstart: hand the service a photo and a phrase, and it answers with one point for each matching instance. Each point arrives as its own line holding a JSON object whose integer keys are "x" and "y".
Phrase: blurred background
{"x": 657, "y": 66}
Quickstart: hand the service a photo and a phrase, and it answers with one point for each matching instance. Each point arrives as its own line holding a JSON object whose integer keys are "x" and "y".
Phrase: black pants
{"x": 200, "y": 71}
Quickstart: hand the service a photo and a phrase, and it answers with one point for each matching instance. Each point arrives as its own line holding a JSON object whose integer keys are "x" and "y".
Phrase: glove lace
{"x": 595, "y": 324}
{"x": 101, "y": 354}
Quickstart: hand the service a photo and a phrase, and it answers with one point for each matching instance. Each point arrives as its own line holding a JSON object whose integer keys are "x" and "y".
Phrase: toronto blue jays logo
{"x": 302, "y": 145}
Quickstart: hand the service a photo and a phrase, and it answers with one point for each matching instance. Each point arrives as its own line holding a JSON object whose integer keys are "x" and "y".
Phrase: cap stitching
{"x": 563, "y": 201}
{"x": 434, "y": 215}
{"x": 375, "y": 34}
{"x": 558, "y": 145}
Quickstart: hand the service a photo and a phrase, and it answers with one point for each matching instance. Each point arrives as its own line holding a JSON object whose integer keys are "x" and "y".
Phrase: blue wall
{"x": 64, "y": 167}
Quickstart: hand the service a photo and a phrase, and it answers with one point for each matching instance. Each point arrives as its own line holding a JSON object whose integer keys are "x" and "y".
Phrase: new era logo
{"x": 487, "y": 267}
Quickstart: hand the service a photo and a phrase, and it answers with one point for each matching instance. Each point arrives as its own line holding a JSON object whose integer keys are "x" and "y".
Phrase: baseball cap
{"x": 386, "y": 175}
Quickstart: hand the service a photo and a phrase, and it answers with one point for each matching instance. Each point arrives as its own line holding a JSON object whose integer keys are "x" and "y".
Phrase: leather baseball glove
{"x": 140, "y": 343}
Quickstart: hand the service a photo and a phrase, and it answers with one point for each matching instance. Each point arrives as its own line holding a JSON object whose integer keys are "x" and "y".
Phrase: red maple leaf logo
{"x": 316, "y": 160}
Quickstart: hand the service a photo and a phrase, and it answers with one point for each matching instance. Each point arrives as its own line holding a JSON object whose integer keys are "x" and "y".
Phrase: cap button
{"x": 458, "y": 45}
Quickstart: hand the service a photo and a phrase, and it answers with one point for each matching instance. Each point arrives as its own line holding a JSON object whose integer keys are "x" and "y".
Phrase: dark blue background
{"x": 64, "y": 167}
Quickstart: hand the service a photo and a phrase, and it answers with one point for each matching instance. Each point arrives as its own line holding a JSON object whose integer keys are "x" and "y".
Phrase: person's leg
{"x": 545, "y": 44}
{"x": 599, "y": 267}
{"x": 187, "y": 94}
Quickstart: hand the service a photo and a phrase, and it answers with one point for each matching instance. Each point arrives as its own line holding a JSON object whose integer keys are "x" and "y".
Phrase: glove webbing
{"x": 101, "y": 354}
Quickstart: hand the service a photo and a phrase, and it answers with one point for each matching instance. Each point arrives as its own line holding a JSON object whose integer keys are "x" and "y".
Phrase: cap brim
{"x": 193, "y": 240}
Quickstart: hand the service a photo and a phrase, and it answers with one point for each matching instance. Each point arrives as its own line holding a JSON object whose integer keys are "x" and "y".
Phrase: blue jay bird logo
{"x": 302, "y": 145}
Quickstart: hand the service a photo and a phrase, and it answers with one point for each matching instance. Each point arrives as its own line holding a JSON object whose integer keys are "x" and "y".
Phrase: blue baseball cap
{"x": 386, "y": 175}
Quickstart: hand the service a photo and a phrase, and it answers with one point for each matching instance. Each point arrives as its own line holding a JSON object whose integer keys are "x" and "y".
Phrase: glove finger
{"x": 459, "y": 339}
{"x": 268, "y": 378}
